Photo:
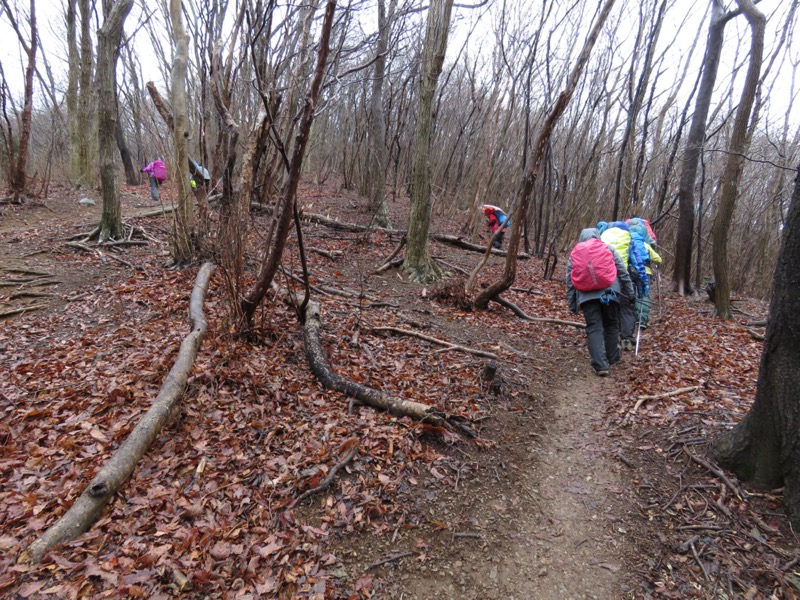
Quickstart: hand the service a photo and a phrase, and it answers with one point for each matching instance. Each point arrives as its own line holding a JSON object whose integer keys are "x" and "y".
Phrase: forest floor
{"x": 567, "y": 492}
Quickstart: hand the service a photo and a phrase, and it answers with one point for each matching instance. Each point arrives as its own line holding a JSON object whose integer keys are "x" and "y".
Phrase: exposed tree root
{"x": 87, "y": 508}
{"x": 23, "y": 309}
{"x": 366, "y": 395}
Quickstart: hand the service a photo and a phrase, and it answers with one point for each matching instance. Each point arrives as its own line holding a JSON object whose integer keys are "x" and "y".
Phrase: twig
{"x": 742, "y": 495}
{"x": 30, "y": 295}
{"x": 392, "y": 558}
{"x": 678, "y": 392}
{"x": 528, "y": 291}
{"x": 699, "y": 562}
{"x": 625, "y": 460}
{"x": 327, "y": 254}
{"x": 329, "y": 479}
{"x": 448, "y": 345}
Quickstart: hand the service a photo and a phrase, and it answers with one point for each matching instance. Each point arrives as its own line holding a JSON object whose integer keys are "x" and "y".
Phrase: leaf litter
{"x": 209, "y": 510}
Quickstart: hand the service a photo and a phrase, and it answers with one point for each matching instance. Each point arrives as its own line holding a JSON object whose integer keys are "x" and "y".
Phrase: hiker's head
{"x": 588, "y": 234}
{"x": 601, "y": 226}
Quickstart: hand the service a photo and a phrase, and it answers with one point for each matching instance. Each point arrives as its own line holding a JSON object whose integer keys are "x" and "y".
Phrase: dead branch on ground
{"x": 522, "y": 315}
{"x": 447, "y": 345}
{"x": 329, "y": 479}
{"x": 371, "y": 397}
{"x": 19, "y": 311}
{"x": 87, "y": 508}
{"x": 678, "y": 392}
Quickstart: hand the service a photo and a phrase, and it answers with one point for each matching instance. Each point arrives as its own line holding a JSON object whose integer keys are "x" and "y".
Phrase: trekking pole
{"x": 658, "y": 290}
{"x": 638, "y": 328}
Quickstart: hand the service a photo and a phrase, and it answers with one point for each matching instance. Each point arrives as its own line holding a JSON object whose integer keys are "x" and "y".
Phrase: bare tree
{"x": 183, "y": 216}
{"x": 732, "y": 175}
{"x": 376, "y": 157}
{"x": 17, "y": 169}
{"x": 520, "y": 209}
{"x": 108, "y": 42}
{"x": 418, "y": 262}
{"x": 284, "y": 210}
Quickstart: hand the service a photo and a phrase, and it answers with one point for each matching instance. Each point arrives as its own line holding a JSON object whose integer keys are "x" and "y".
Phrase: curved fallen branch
{"x": 678, "y": 392}
{"x": 523, "y": 315}
{"x": 447, "y": 345}
{"x": 329, "y": 479}
{"x": 87, "y": 508}
{"x": 366, "y": 395}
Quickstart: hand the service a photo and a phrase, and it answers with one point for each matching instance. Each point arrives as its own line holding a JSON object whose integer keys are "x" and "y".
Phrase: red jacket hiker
{"x": 496, "y": 219}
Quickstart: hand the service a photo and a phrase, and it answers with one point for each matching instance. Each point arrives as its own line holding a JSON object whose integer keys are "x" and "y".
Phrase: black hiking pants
{"x": 602, "y": 332}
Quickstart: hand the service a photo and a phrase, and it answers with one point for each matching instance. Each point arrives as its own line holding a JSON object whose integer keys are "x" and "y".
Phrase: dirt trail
{"x": 544, "y": 517}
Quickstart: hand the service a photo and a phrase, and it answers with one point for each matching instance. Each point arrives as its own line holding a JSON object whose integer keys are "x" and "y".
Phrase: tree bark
{"x": 764, "y": 448}
{"x": 86, "y": 175}
{"x": 87, "y": 508}
{"x": 418, "y": 263}
{"x": 108, "y": 40}
{"x": 519, "y": 213}
{"x": 183, "y": 217}
{"x": 376, "y": 157}
{"x": 734, "y": 165}
{"x": 131, "y": 172}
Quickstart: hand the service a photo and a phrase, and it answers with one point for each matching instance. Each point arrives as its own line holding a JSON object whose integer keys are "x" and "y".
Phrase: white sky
{"x": 51, "y": 26}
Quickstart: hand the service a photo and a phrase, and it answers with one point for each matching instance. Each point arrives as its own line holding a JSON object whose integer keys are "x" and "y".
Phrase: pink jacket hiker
{"x": 157, "y": 169}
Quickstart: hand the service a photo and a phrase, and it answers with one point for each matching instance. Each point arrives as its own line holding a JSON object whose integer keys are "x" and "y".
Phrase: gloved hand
{"x": 647, "y": 290}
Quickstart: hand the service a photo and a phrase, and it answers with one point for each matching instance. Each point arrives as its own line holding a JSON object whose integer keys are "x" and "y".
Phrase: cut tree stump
{"x": 87, "y": 508}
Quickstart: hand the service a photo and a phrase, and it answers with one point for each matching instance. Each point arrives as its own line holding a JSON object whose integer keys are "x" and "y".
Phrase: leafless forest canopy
{"x": 620, "y": 142}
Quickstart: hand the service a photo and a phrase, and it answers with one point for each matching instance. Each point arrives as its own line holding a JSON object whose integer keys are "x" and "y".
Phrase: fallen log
{"x": 87, "y": 508}
{"x": 444, "y": 238}
{"x": 366, "y": 395}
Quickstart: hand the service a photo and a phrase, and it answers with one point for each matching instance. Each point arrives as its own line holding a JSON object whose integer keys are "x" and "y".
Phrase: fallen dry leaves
{"x": 209, "y": 510}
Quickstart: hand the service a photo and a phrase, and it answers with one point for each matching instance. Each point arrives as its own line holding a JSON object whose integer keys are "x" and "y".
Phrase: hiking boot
{"x": 627, "y": 345}
{"x": 602, "y": 372}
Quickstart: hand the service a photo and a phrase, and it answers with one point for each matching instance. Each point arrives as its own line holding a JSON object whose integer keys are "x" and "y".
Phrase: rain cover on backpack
{"x": 593, "y": 266}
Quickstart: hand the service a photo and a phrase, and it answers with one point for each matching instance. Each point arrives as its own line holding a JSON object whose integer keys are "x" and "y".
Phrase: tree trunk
{"x": 376, "y": 156}
{"x": 73, "y": 76}
{"x": 418, "y": 263}
{"x": 108, "y": 40}
{"x": 183, "y": 217}
{"x": 735, "y": 161}
{"x": 519, "y": 213}
{"x": 682, "y": 272}
{"x": 764, "y": 448}
{"x": 86, "y": 175}
{"x": 131, "y": 172}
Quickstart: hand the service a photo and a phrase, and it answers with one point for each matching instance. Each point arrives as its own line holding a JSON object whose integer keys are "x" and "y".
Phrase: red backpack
{"x": 593, "y": 266}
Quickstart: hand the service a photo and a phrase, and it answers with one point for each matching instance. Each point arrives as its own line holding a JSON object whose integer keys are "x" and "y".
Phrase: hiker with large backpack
{"x": 597, "y": 282}
{"x": 618, "y": 236}
{"x": 496, "y": 219}
{"x": 157, "y": 173}
{"x": 641, "y": 227}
